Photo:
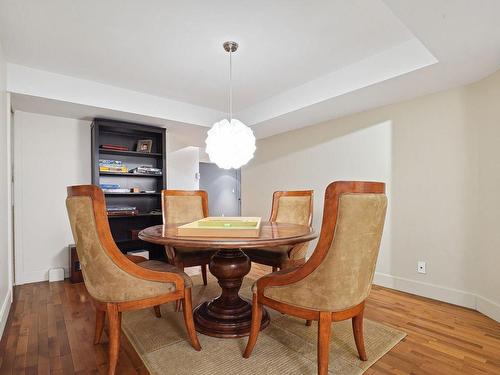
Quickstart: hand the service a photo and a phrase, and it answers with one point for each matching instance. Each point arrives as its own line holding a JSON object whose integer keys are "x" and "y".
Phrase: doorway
{"x": 224, "y": 189}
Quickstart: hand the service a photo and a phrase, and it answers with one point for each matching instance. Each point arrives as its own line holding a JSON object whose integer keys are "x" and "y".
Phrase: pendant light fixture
{"x": 230, "y": 143}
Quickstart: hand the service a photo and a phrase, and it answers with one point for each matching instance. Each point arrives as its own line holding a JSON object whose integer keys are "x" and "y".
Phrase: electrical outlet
{"x": 421, "y": 267}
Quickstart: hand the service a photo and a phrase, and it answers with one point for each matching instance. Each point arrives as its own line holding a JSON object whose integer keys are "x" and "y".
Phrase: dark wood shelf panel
{"x": 133, "y": 216}
{"x": 131, "y": 153}
{"x": 128, "y": 174}
{"x": 128, "y": 241}
{"x": 127, "y": 194}
{"x": 127, "y": 134}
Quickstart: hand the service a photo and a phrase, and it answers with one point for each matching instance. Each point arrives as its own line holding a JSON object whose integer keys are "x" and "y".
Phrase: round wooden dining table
{"x": 229, "y": 315}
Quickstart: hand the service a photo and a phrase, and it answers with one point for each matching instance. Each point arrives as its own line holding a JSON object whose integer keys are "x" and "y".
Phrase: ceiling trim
{"x": 406, "y": 57}
{"x": 39, "y": 83}
{"x": 401, "y": 59}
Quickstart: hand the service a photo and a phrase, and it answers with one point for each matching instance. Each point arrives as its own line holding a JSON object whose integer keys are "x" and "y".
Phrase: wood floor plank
{"x": 50, "y": 331}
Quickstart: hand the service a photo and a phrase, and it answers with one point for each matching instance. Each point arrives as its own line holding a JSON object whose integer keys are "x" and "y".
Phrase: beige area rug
{"x": 286, "y": 346}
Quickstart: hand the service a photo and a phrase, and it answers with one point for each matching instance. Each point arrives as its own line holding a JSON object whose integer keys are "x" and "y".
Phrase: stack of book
{"x": 114, "y": 147}
{"x": 122, "y": 211}
{"x": 112, "y": 166}
{"x": 146, "y": 169}
{"x": 113, "y": 188}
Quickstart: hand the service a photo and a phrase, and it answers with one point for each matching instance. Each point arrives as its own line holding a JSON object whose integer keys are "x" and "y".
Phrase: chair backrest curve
{"x": 100, "y": 258}
{"x": 184, "y": 206}
{"x": 294, "y": 207}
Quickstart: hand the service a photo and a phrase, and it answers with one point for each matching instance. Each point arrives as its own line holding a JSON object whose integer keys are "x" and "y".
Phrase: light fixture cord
{"x": 230, "y": 84}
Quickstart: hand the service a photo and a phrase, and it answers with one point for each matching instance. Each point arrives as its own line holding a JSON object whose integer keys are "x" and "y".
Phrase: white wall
{"x": 182, "y": 169}
{"x": 5, "y": 211}
{"x": 283, "y": 163}
{"x": 436, "y": 197}
{"x": 484, "y": 114}
{"x": 50, "y": 153}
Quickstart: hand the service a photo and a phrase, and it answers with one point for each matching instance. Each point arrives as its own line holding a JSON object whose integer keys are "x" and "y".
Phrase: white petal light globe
{"x": 230, "y": 145}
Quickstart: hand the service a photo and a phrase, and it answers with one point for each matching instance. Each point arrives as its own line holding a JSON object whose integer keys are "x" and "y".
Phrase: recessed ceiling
{"x": 299, "y": 62}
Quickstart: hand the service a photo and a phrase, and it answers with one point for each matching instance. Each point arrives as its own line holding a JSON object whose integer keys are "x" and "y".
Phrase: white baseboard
{"x": 36, "y": 276}
{"x": 488, "y": 307}
{"x": 440, "y": 293}
{"x": 437, "y": 292}
{"x": 4, "y": 311}
{"x": 454, "y": 296}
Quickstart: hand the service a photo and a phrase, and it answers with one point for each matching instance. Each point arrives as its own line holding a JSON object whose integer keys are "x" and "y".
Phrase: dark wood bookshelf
{"x": 130, "y": 153}
{"x": 143, "y": 194}
{"x": 132, "y": 216}
{"x": 127, "y": 134}
{"x": 127, "y": 241}
{"x": 128, "y": 174}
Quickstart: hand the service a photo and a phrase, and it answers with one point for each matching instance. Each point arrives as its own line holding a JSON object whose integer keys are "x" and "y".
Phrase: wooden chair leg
{"x": 204, "y": 273}
{"x": 255, "y": 327}
{"x": 324, "y": 334}
{"x": 188, "y": 319}
{"x": 100, "y": 317}
{"x": 114, "y": 317}
{"x": 180, "y": 266}
{"x": 157, "y": 311}
{"x": 357, "y": 328}
{"x": 308, "y": 323}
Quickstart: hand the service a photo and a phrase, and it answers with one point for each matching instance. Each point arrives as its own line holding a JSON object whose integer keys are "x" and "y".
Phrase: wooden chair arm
{"x": 293, "y": 274}
{"x": 330, "y": 213}
{"x": 128, "y": 264}
{"x": 146, "y": 274}
{"x": 280, "y": 278}
{"x": 124, "y": 262}
{"x": 135, "y": 270}
{"x": 136, "y": 258}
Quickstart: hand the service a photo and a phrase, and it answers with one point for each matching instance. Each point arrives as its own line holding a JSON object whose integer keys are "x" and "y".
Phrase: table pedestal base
{"x": 228, "y": 315}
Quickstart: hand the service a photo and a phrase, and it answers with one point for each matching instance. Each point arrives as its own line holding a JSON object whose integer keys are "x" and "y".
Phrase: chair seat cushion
{"x": 156, "y": 265}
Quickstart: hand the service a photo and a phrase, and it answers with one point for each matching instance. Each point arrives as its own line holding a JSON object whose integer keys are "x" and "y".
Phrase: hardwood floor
{"x": 51, "y": 326}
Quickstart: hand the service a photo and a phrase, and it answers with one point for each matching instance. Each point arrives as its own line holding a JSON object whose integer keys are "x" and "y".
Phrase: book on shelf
{"x": 146, "y": 169}
{"x": 123, "y": 213}
{"x": 106, "y": 165}
{"x": 108, "y": 146}
{"x": 109, "y": 162}
{"x": 118, "y": 169}
{"x": 109, "y": 186}
{"x": 122, "y": 210}
{"x": 116, "y": 190}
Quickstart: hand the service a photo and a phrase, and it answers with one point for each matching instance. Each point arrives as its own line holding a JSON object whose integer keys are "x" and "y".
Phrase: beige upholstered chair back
{"x": 104, "y": 279}
{"x": 345, "y": 276}
{"x": 293, "y": 207}
{"x": 184, "y": 206}
{"x": 349, "y": 248}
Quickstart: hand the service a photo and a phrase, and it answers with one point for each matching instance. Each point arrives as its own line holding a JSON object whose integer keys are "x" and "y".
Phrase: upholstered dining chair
{"x": 117, "y": 282}
{"x": 336, "y": 280}
{"x": 295, "y": 207}
{"x": 181, "y": 207}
